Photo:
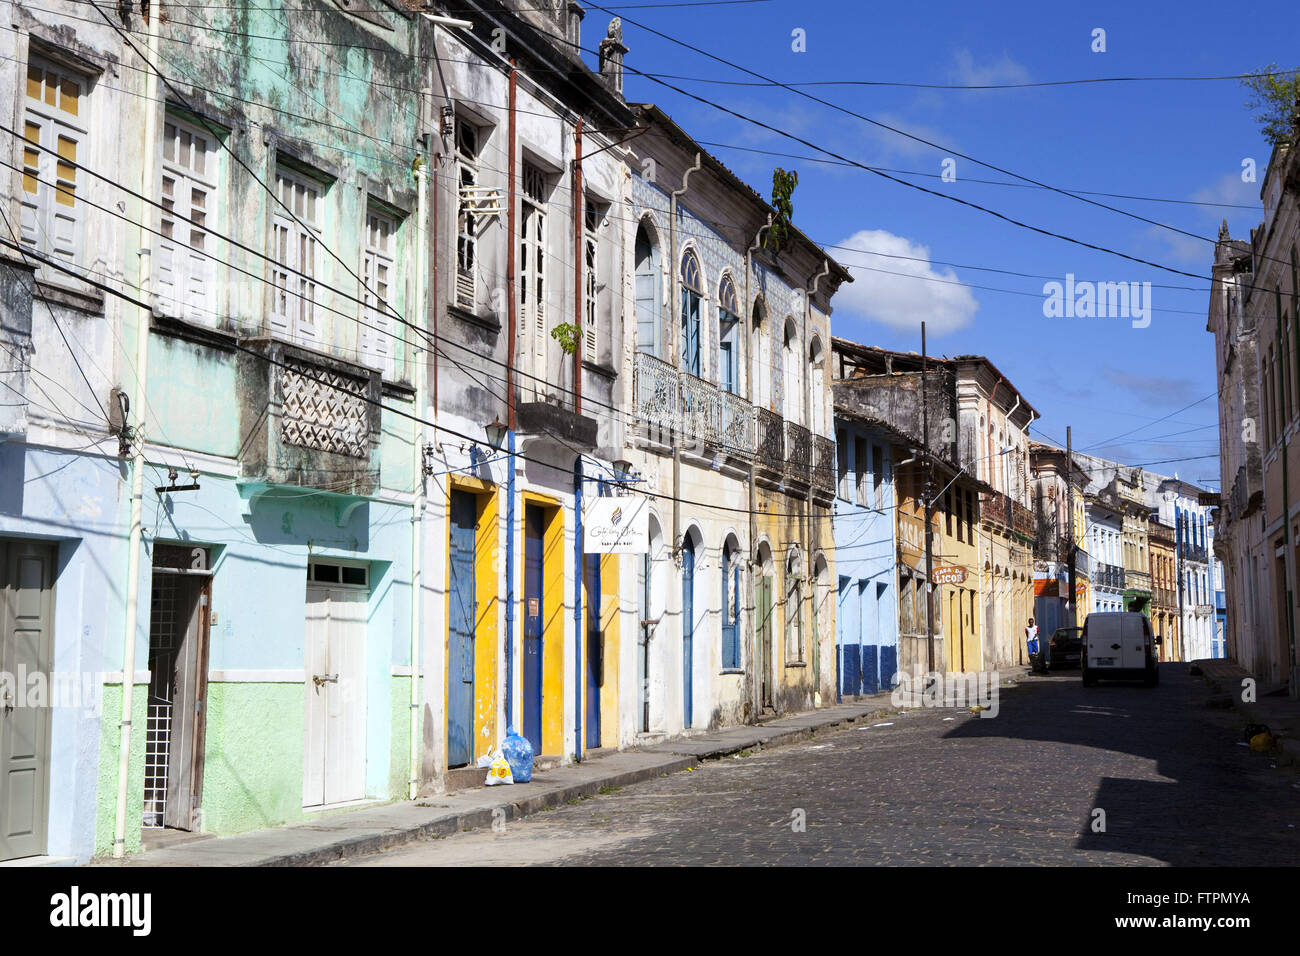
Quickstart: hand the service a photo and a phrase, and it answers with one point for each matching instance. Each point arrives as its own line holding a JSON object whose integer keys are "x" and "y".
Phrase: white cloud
{"x": 994, "y": 72}
{"x": 909, "y": 291}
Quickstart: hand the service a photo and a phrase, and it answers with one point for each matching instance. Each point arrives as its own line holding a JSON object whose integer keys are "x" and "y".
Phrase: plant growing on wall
{"x": 1273, "y": 101}
{"x": 566, "y": 333}
{"x": 783, "y": 183}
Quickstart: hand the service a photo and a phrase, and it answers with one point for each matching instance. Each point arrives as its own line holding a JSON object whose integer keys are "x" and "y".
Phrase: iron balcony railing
{"x": 1109, "y": 576}
{"x": 770, "y": 439}
{"x": 798, "y": 450}
{"x": 696, "y": 411}
{"x": 823, "y": 464}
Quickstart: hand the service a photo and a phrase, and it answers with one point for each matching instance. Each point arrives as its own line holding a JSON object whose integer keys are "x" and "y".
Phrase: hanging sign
{"x": 619, "y": 525}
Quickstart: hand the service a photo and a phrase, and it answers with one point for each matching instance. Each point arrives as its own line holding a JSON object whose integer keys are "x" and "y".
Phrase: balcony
{"x": 798, "y": 451}
{"x": 771, "y": 440}
{"x": 695, "y": 411}
{"x": 1109, "y": 576}
{"x": 1022, "y": 520}
{"x": 823, "y": 475}
{"x": 1195, "y": 553}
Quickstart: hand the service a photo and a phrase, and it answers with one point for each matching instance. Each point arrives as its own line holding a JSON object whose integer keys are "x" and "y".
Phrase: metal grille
{"x": 656, "y": 391}
{"x": 771, "y": 438}
{"x": 798, "y": 442}
{"x": 325, "y": 410}
{"x": 699, "y": 409}
{"x": 163, "y": 640}
{"x": 737, "y": 423}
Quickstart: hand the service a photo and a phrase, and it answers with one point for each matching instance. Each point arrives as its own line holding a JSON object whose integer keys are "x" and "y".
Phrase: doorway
{"x": 179, "y": 615}
{"x": 461, "y": 616}
{"x": 338, "y": 600}
{"x": 594, "y": 651}
{"x": 27, "y": 643}
{"x": 688, "y": 629}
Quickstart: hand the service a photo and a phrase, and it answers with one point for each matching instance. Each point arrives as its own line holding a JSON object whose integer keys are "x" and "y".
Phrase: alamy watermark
{"x": 1102, "y": 300}
{"x": 80, "y": 690}
{"x": 954, "y": 689}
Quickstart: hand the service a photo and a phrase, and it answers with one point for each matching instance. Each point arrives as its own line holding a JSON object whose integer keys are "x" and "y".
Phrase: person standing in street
{"x": 1031, "y": 642}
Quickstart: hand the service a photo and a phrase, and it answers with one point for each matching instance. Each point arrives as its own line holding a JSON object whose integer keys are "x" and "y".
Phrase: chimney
{"x": 611, "y": 56}
{"x": 573, "y": 29}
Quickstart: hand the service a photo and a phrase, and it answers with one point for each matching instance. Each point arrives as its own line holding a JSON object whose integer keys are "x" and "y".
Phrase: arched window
{"x": 648, "y": 325}
{"x": 791, "y": 372}
{"x": 761, "y": 372}
{"x": 794, "y": 607}
{"x": 728, "y": 344}
{"x": 731, "y": 604}
{"x": 692, "y": 293}
{"x": 817, "y": 371}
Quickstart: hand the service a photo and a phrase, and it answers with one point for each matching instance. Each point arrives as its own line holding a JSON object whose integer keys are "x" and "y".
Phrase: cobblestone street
{"x": 948, "y": 788}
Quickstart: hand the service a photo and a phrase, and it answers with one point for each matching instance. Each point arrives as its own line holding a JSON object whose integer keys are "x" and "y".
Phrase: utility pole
{"x": 928, "y": 509}
{"x": 1069, "y": 510}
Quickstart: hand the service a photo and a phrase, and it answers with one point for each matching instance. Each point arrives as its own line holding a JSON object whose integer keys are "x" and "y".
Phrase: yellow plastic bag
{"x": 499, "y": 772}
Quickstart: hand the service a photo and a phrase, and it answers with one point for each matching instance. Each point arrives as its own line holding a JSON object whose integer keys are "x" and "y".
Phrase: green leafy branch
{"x": 1273, "y": 101}
{"x": 778, "y": 234}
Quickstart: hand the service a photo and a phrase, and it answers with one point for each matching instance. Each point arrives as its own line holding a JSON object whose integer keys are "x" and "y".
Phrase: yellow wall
{"x": 609, "y": 618}
{"x": 486, "y": 562}
{"x": 485, "y": 613}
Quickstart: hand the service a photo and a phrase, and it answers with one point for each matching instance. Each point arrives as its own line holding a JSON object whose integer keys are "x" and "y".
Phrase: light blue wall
{"x": 865, "y": 557}
{"x": 77, "y": 502}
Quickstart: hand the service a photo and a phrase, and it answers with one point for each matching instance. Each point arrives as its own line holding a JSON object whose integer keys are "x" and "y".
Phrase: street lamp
{"x": 496, "y": 432}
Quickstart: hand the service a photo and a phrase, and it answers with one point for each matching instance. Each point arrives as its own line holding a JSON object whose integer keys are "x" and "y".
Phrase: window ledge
{"x": 89, "y": 302}
{"x": 488, "y": 322}
{"x": 605, "y": 371}
{"x": 796, "y": 663}
{"x": 732, "y": 670}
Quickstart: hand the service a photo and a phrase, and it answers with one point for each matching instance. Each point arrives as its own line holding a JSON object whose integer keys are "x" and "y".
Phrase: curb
{"x": 670, "y": 757}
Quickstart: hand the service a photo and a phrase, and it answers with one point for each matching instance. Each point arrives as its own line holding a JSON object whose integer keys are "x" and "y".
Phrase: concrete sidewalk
{"x": 373, "y": 829}
{"x": 1280, "y": 714}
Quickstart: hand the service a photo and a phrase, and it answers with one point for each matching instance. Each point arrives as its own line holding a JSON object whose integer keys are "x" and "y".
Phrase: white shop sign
{"x": 618, "y": 525}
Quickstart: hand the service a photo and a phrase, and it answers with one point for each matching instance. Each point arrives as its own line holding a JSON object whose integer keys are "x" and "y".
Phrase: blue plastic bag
{"x": 519, "y": 754}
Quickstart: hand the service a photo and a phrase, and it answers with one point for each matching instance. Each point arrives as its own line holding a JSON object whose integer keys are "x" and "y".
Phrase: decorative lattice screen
{"x": 324, "y": 410}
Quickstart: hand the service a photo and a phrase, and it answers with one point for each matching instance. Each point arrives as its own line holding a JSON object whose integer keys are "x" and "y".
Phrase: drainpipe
{"x": 812, "y": 465}
{"x": 417, "y": 508}
{"x": 134, "y": 541}
{"x": 750, "y": 377}
{"x": 579, "y": 571}
{"x": 577, "y": 268}
{"x": 676, "y": 349}
{"x": 511, "y": 324}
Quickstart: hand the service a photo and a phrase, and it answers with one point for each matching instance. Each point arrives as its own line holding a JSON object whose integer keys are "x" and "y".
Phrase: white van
{"x": 1117, "y": 645}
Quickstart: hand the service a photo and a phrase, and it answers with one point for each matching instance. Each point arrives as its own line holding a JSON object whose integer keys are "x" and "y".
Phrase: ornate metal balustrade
{"x": 657, "y": 394}
{"x": 798, "y": 450}
{"x": 736, "y": 423}
{"x": 700, "y": 412}
{"x": 823, "y": 475}
{"x": 771, "y": 439}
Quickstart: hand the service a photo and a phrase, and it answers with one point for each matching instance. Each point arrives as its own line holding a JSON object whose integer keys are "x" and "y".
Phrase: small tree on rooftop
{"x": 1273, "y": 101}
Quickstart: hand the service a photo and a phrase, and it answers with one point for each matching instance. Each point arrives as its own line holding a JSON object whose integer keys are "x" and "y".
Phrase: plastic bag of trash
{"x": 1261, "y": 743}
{"x": 485, "y": 761}
{"x": 499, "y": 773}
{"x": 519, "y": 752}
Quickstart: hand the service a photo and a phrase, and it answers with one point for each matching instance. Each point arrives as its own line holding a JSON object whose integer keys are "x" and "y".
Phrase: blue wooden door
{"x": 688, "y": 628}
{"x": 730, "y": 612}
{"x": 460, "y": 631}
{"x": 595, "y": 649}
{"x": 534, "y": 537}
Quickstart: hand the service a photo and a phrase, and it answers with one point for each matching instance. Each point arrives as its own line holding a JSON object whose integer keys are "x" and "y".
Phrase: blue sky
{"x": 1168, "y": 140}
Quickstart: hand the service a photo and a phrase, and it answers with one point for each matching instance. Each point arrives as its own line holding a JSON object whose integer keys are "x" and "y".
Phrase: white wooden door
{"x": 335, "y": 749}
